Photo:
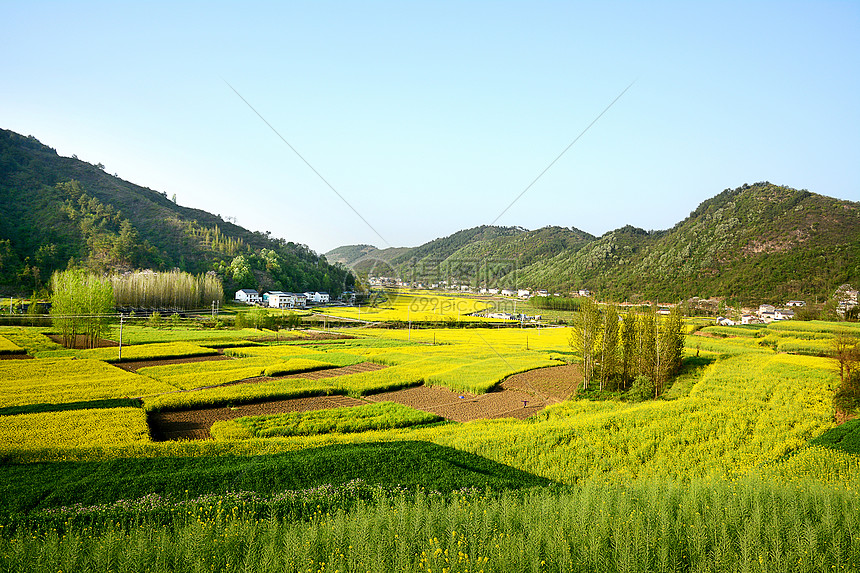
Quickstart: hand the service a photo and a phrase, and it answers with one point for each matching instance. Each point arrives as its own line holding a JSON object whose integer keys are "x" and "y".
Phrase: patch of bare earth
{"x": 306, "y": 336}
{"x": 519, "y": 396}
{"x": 342, "y": 371}
{"x": 81, "y": 341}
{"x": 195, "y": 424}
{"x": 312, "y": 375}
{"x": 135, "y": 365}
{"x": 15, "y": 356}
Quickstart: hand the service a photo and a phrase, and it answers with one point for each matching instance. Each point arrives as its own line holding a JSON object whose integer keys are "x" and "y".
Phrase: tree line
{"x": 176, "y": 290}
{"x": 639, "y": 351}
{"x": 82, "y": 303}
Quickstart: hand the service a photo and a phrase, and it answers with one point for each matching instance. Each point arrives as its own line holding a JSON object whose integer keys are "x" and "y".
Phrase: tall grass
{"x": 648, "y": 526}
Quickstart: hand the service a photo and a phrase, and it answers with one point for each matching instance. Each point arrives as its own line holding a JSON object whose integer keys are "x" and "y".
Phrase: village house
{"x": 248, "y": 296}
{"x": 318, "y": 297}
{"x": 766, "y": 309}
{"x": 279, "y": 299}
{"x": 795, "y": 303}
{"x": 523, "y": 293}
{"x": 507, "y": 292}
{"x": 783, "y": 314}
{"x": 767, "y": 317}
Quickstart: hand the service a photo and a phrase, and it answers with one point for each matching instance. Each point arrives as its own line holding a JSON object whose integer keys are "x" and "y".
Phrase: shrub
{"x": 642, "y": 389}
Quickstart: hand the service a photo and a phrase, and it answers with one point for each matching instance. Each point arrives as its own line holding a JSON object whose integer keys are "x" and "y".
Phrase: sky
{"x": 394, "y": 123}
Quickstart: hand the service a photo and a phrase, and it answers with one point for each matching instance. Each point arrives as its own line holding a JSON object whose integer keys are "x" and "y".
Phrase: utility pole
{"x": 120, "y": 336}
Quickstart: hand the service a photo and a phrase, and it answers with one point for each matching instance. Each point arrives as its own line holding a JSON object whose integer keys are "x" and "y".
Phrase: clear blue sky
{"x": 431, "y": 117}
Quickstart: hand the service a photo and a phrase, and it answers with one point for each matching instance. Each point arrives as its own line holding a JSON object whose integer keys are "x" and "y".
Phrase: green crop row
{"x": 156, "y": 351}
{"x": 208, "y": 373}
{"x": 275, "y": 389}
{"x": 659, "y": 525}
{"x": 379, "y": 416}
{"x": 296, "y": 366}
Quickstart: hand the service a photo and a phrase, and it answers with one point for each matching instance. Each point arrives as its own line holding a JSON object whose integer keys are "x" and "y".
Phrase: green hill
{"x": 756, "y": 243}
{"x": 59, "y": 211}
{"x": 760, "y": 242}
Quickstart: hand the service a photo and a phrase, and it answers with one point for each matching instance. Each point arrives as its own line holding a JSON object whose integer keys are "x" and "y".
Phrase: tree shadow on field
{"x": 406, "y": 464}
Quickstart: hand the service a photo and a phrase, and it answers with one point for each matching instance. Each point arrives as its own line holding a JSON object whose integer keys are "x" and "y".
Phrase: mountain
{"x": 58, "y": 211}
{"x": 757, "y": 243}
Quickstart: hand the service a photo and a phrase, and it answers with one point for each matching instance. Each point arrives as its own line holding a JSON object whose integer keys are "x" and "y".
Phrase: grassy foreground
{"x": 649, "y": 526}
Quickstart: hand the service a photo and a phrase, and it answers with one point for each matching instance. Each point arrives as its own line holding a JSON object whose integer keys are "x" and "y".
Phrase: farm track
{"x": 520, "y": 396}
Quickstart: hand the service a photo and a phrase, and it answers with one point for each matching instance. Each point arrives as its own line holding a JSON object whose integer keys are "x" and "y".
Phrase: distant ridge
{"x": 760, "y": 242}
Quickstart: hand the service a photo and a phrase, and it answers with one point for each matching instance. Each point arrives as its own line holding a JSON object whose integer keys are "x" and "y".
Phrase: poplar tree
{"x": 584, "y": 338}
{"x": 628, "y": 348}
{"x": 79, "y": 303}
{"x": 609, "y": 359}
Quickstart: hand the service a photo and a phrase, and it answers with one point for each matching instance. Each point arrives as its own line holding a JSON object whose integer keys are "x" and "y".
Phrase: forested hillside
{"x": 760, "y": 242}
{"x": 57, "y": 212}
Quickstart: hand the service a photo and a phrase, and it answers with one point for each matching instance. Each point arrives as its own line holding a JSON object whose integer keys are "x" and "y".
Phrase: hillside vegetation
{"x": 760, "y": 242}
{"x": 59, "y": 211}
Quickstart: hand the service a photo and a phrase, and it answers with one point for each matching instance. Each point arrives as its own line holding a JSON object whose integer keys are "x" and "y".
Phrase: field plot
{"x": 160, "y": 350}
{"x": 102, "y": 427}
{"x": 750, "y": 411}
{"x": 142, "y": 334}
{"x": 256, "y": 390}
{"x": 9, "y": 347}
{"x": 403, "y": 307}
{"x": 718, "y": 475}
{"x": 214, "y": 373}
{"x": 378, "y": 416}
{"x": 44, "y": 381}
{"x": 31, "y": 339}
{"x": 196, "y": 424}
